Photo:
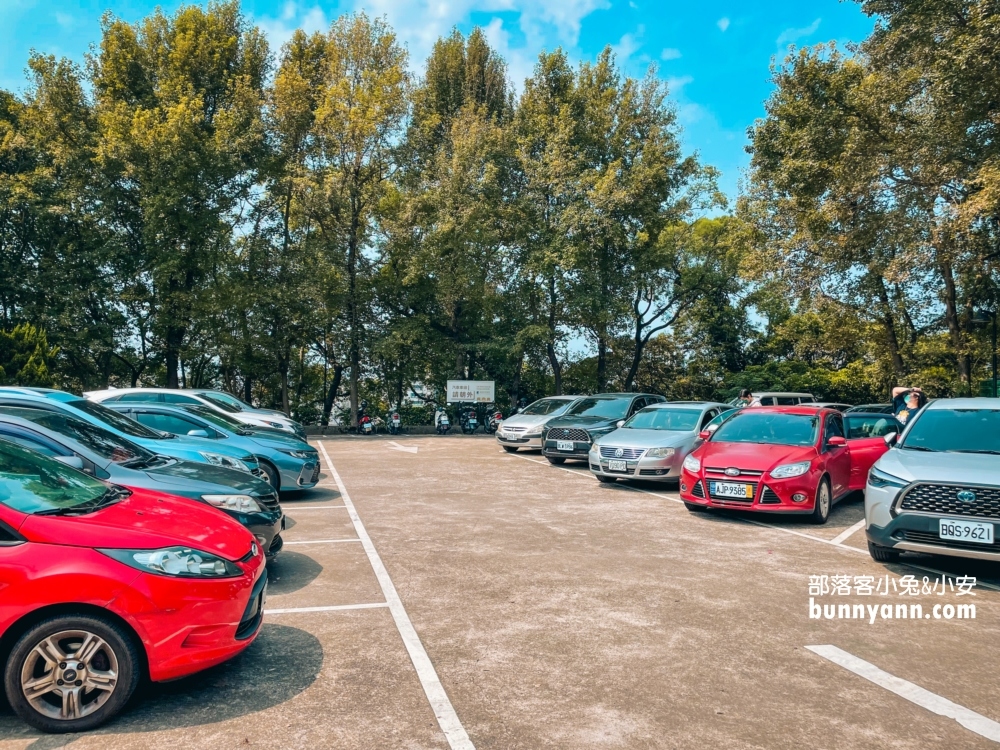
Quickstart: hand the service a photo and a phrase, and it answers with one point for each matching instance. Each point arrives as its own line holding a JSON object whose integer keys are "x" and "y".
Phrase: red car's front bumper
{"x": 769, "y": 495}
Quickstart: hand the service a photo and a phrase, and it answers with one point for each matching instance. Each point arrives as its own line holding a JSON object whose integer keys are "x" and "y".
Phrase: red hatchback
{"x": 101, "y": 585}
{"x": 792, "y": 459}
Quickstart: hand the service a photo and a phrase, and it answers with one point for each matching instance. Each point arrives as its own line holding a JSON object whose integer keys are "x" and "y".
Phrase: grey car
{"x": 524, "y": 429}
{"x": 105, "y": 455}
{"x": 937, "y": 490}
{"x": 653, "y": 444}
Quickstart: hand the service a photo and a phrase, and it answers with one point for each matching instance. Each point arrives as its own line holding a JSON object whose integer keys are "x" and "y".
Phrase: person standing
{"x": 747, "y": 399}
{"x": 906, "y": 402}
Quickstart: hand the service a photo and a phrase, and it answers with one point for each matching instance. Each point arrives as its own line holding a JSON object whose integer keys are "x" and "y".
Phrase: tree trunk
{"x": 331, "y": 395}
{"x": 556, "y": 366}
{"x": 951, "y": 318}
{"x": 602, "y": 362}
{"x": 890, "y": 328}
{"x": 248, "y": 389}
{"x": 354, "y": 348}
{"x": 283, "y": 370}
{"x": 550, "y": 346}
{"x": 633, "y": 370}
{"x": 174, "y": 338}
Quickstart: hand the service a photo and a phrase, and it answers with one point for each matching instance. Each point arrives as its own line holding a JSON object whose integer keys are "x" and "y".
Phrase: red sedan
{"x": 791, "y": 459}
{"x": 101, "y": 584}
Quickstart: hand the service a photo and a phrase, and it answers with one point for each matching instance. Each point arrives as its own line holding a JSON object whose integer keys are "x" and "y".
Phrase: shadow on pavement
{"x": 291, "y": 571}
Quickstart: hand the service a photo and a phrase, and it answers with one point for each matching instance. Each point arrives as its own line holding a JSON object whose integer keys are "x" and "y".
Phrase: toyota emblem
{"x": 966, "y": 496}
{"x": 619, "y": 453}
{"x": 565, "y": 432}
{"x": 730, "y": 472}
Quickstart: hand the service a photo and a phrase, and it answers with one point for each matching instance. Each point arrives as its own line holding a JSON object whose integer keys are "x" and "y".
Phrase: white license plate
{"x": 565, "y": 445}
{"x": 731, "y": 489}
{"x": 617, "y": 466}
{"x": 965, "y": 531}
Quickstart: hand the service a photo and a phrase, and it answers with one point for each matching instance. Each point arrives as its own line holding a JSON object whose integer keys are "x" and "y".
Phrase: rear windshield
{"x": 102, "y": 442}
{"x": 957, "y": 430}
{"x": 113, "y": 419}
{"x": 604, "y": 408}
{"x": 670, "y": 420}
{"x": 546, "y": 406}
{"x": 769, "y": 428}
{"x": 31, "y": 482}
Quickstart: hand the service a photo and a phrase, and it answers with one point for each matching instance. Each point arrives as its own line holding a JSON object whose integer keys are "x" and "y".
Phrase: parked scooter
{"x": 493, "y": 419}
{"x": 470, "y": 421}
{"x": 395, "y": 423}
{"x": 441, "y": 422}
{"x": 365, "y": 424}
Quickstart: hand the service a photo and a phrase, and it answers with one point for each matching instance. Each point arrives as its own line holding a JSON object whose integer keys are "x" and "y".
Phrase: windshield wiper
{"x": 110, "y": 496}
{"x": 987, "y": 452}
{"x": 919, "y": 448}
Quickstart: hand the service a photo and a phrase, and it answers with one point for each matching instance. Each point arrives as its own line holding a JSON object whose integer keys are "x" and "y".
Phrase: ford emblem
{"x": 730, "y": 472}
{"x": 966, "y": 496}
{"x": 254, "y": 549}
{"x": 619, "y": 453}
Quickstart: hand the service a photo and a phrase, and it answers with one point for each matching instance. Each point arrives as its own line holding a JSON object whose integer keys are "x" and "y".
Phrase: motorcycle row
{"x": 469, "y": 420}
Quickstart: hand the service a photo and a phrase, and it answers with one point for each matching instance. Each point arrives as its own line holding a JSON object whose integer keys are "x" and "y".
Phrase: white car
{"x": 218, "y": 400}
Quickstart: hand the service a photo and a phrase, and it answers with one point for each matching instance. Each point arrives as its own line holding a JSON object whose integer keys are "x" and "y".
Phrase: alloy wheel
{"x": 69, "y": 675}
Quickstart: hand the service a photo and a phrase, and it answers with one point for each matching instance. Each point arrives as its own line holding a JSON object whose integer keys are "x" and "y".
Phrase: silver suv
{"x": 937, "y": 490}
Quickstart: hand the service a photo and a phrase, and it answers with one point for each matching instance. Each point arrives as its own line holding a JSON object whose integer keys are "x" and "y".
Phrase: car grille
{"x": 505, "y": 428}
{"x": 929, "y": 537}
{"x": 743, "y": 472}
{"x": 254, "y": 612}
{"x": 943, "y": 499}
{"x": 738, "y": 500}
{"x": 631, "y": 454}
{"x": 769, "y": 497}
{"x": 315, "y": 476}
{"x": 698, "y": 490}
{"x": 268, "y": 501}
{"x": 654, "y": 472}
{"x": 571, "y": 433}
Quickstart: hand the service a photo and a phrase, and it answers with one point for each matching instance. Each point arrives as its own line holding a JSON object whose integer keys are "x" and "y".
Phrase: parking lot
{"x": 437, "y": 592}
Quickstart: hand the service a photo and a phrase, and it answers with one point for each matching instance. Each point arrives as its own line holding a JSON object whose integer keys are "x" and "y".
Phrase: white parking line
{"x": 324, "y": 541}
{"x": 839, "y": 539}
{"x": 296, "y": 508}
{"x": 914, "y": 693}
{"x": 451, "y": 726}
{"x": 334, "y": 608}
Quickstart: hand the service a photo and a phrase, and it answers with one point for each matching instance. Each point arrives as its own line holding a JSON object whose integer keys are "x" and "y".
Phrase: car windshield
{"x": 771, "y": 428}
{"x": 956, "y": 430}
{"x": 102, "y": 442}
{"x": 604, "y": 408}
{"x": 33, "y": 483}
{"x": 224, "y": 401}
{"x": 220, "y": 420}
{"x": 869, "y": 426}
{"x": 546, "y": 406}
{"x": 119, "y": 421}
{"x": 671, "y": 420}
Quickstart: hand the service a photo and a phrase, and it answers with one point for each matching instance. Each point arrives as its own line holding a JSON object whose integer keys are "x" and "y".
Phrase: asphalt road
{"x": 505, "y": 603}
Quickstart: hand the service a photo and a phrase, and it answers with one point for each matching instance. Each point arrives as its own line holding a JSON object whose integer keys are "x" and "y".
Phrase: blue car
{"x": 197, "y": 450}
{"x": 286, "y": 462}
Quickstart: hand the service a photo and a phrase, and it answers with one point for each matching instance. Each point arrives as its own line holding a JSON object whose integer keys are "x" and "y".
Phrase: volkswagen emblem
{"x": 619, "y": 452}
{"x": 966, "y": 496}
{"x": 731, "y": 472}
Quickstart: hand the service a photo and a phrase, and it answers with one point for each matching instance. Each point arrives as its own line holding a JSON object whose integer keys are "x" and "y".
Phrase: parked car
{"x": 937, "y": 490}
{"x": 102, "y": 454}
{"x": 780, "y": 398}
{"x": 104, "y": 586}
{"x": 197, "y": 450}
{"x": 652, "y": 444}
{"x": 219, "y": 400}
{"x": 588, "y": 418}
{"x": 790, "y": 459}
{"x": 285, "y": 461}
{"x": 831, "y": 405}
{"x": 524, "y": 429}
{"x": 872, "y": 408}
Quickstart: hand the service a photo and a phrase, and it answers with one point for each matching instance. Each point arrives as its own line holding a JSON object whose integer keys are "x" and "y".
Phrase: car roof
{"x": 964, "y": 403}
{"x": 703, "y": 404}
{"x": 803, "y": 409}
{"x": 620, "y": 395}
{"x": 798, "y": 394}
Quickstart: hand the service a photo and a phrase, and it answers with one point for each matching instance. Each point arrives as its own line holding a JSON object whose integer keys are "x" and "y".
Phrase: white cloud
{"x": 65, "y": 20}
{"x": 293, "y": 16}
{"x": 790, "y": 36}
{"x": 670, "y": 53}
{"x": 676, "y": 84}
{"x": 627, "y": 46}
{"x": 520, "y": 62}
{"x": 722, "y": 23}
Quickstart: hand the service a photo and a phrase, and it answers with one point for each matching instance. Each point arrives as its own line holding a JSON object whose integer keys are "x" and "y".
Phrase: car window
{"x": 178, "y": 398}
{"x": 168, "y": 423}
{"x": 756, "y": 426}
{"x": 26, "y": 442}
{"x": 141, "y": 397}
{"x": 225, "y": 404}
{"x": 31, "y": 482}
{"x": 113, "y": 419}
{"x": 224, "y": 421}
{"x": 709, "y": 416}
{"x": 545, "y": 406}
{"x": 833, "y": 428}
{"x": 955, "y": 430}
{"x": 767, "y": 401}
{"x": 102, "y": 442}
{"x": 671, "y": 420}
{"x": 859, "y": 428}
{"x": 638, "y": 404}
{"x": 602, "y": 408}
{"x": 787, "y": 400}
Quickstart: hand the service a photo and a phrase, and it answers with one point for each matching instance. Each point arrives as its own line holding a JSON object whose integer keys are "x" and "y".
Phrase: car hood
{"x": 752, "y": 456}
{"x": 146, "y": 520}
{"x": 587, "y": 423}
{"x": 527, "y": 420}
{"x": 628, "y": 438}
{"x": 179, "y": 446}
{"x": 957, "y": 468}
{"x": 184, "y": 473}
{"x": 281, "y": 441}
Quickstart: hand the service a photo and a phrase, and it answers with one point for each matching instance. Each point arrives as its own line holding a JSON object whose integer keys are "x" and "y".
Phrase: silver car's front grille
{"x": 505, "y": 428}
{"x": 952, "y": 500}
{"x": 568, "y": 433}
{"x": 631, "y": 454}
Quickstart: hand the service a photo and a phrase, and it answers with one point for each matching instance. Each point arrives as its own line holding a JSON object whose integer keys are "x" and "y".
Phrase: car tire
{"x": 882, "y": 554}
{"x": 510, "y": 449}
{"x": 556, "y": 460}
{"x": 606, "y": 480}
{"x": 695, "y": 508}
{"x": 824, "y": 502}
{"x": 273, "y": 477}
{"x": 117, "y": 652}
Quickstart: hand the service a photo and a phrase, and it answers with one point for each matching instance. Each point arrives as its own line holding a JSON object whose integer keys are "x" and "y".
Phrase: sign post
{"x": 471, "y": 391}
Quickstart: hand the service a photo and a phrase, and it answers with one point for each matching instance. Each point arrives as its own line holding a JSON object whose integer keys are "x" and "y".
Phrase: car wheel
{"x": 510, "y": 449}
{"x": 556, "y": 460}
{"x": 606, "y": 480}
{"x": 271, "y": 476}
{"x": 71, "y": 673}
{"x": 824, "y": 501}
{"x": 695, "y": 508}
{"x": 882, "y": 554}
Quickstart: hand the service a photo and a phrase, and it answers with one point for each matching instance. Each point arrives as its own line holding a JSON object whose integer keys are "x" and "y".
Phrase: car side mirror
{"x": 197, "y": 433}
{"x": 619, "y": 423}
{"x": 836, "y": 441}
{"x": 705, "y": 434}
{"x": 73, "y": 462}
{"x": 891, "y": 438}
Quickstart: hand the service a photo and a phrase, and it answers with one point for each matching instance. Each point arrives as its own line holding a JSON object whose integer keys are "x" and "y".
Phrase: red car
{"x": 101, "y": 585}
{"x": 785, "y": 459}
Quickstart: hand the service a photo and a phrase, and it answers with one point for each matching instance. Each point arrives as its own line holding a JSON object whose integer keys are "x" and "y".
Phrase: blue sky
{"x": 715, "y": 55}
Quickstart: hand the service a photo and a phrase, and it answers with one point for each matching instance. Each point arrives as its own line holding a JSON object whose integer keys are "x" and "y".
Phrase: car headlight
{"x": 241, "y": 503}
{"x": 300, "y": 454}
{"x": 536, "y": 433}
{"x": 878, "y": 478}
{"x": 182, "y": 562}
{"x": 279, "y": 426}
{"x": 660, "y": 452}
{"x": 594, "y": 449}
{"x": 692, "y": 464}
{"x": 228, "y": 462}
{"x": 790, "y": 470}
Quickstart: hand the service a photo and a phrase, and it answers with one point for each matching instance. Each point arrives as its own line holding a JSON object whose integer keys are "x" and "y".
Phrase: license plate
{"x": 617, "y": 466}
{"x": 731, "y": 489}
{"x": 965, "y": 531}
{"x": 472, "y": 423}
{"x": 565, "y": 445}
